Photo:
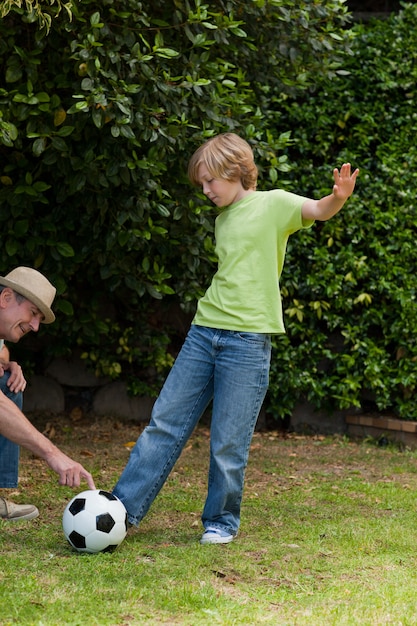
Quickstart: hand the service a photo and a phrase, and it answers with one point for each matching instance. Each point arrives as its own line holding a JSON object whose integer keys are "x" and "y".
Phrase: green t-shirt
{"x": 251, "y": 238}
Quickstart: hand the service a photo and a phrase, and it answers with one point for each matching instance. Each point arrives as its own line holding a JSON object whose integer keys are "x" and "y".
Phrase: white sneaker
{"x": 216, "y": 535}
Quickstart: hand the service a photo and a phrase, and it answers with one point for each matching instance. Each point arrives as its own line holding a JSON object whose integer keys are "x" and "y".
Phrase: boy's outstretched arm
{"x": 326, "y": 207}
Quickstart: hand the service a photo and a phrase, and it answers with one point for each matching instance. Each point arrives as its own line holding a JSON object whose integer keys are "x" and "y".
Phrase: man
{"x": 25, "y": 302}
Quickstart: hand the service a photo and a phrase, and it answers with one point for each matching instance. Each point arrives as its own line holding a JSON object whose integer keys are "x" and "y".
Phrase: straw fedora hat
{"x": 34, "y": 286}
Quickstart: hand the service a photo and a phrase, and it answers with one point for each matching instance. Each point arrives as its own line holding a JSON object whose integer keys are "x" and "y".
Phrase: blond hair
{"x": 225, "y": 156}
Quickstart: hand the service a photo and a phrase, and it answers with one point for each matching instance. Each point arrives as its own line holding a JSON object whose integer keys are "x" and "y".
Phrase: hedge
{"x": 98, "y": 117}
{"x": 350, "y": 284}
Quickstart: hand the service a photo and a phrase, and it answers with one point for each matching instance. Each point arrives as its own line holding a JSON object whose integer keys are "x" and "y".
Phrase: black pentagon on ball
{"x": 110, "y": 548}
{"x": 77, "y": 506}
{"x": 104, "y": 522}
{"x": 107, "y": 494}
{"x": 77, "y": 540}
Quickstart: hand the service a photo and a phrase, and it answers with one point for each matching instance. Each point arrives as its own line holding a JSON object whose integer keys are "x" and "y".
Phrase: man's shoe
{"x": 215, "y": 535}
{"x": 16, "y": 512}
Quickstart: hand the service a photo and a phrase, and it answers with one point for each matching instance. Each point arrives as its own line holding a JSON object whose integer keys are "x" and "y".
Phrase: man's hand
{"x": 70, "y": 472}
{"x": 17, "y": 381}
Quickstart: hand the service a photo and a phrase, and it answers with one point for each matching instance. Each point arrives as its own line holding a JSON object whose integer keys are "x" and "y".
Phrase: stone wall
{"x": 67, "y": 385}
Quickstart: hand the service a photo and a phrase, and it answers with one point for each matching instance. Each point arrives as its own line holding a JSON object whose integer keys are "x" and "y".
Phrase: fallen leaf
{"x": 49, "y": 431}
{"x": 87, "y": 453}
{"x": 76, "y": 414}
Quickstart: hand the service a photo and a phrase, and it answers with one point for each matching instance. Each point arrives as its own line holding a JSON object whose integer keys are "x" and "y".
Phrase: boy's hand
{"x": 344, "y": 181}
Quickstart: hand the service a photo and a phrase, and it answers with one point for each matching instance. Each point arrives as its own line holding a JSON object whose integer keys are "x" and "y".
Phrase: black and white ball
{"x": 95, "y": 521}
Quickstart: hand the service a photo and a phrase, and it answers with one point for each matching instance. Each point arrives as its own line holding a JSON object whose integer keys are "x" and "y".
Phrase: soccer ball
{"x": 95, "y": 521}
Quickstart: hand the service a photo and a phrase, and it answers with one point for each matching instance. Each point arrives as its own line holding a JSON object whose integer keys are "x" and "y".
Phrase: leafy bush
{"x": 98, "y": 118}
{"x": 97, "y": 121}
{"x": 350, "y": 284}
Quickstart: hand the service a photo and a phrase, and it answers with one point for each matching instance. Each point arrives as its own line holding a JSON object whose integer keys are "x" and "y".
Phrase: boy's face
{"x": 220, "y": 191}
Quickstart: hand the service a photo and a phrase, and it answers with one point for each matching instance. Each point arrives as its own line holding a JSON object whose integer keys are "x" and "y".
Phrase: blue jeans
{"x": 232, "y": 369}
{"x": 9, "y": 451}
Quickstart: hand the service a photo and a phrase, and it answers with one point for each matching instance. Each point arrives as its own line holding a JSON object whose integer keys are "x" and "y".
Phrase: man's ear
{"x": 6, "y": 296}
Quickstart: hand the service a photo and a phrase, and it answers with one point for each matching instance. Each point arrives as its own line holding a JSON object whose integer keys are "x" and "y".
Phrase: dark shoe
{"x": 15, "y": 512}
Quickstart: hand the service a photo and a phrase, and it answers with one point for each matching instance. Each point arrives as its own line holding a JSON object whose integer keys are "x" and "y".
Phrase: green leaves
{"x": 64, "y": 249}
{"x": 362, "y": 349}
{"x": 37, "y": 10}
{"x": 99, "y": 119}
{"x": 8, "y": 133}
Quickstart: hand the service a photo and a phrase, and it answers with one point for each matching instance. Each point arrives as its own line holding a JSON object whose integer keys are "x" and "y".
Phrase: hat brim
{"x": 48, "y": 314}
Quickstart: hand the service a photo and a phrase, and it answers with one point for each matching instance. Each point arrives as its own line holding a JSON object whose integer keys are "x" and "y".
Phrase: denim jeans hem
{"x": 226, "y": 529}
{"x": 8, "y": 485}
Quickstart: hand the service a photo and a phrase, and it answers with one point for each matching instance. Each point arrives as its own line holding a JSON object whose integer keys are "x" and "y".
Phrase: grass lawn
{"x": 327, "y": 538}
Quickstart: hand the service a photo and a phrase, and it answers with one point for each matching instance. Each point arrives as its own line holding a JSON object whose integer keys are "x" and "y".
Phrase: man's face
{"x": 17, "y": 318}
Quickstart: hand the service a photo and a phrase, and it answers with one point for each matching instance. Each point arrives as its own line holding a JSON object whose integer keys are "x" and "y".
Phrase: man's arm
{"x": 16, "y": 427}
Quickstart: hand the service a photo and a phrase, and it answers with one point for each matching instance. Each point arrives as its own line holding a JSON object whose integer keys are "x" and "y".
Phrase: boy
{"x": 226, "y": 355}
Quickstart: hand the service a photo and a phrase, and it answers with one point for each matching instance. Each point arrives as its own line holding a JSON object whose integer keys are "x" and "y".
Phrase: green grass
{"x": 327, "y": 538}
